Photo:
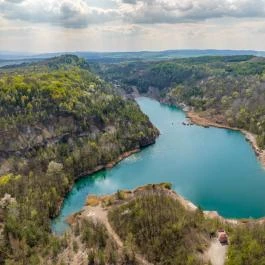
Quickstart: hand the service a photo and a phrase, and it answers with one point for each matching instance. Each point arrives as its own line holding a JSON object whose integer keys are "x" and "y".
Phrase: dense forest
{"x": 230, "y": 90}
{"x": 57, "y": 121}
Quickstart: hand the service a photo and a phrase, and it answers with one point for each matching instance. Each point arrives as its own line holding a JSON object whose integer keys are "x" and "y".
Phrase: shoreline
{"x": 190, "y": 206}
{"x": 250, "y": 137}
{"x": 197, "y": 119}
{"x": 201, "y": 121}
{"x": 98, "y": 168}
{"x": 92, "y": 171}
{"x": 109, "y": 165}
{"x": 187, "y": 204}
{"x": 206, "y": 123}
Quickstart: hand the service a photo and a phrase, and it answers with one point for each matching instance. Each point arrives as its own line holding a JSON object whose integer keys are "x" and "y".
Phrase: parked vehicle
{"x": 222, "y": 236}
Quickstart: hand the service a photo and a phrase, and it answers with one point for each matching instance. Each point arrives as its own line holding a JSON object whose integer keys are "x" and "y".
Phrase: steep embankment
{"x": 58, "y": 121}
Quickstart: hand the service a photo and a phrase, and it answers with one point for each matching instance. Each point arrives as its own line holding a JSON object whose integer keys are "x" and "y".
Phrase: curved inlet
{"x": 214, "y": 168}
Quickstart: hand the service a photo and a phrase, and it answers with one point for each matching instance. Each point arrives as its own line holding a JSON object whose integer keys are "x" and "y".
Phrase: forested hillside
{"x": 162, "y": 230}
{"x": 229, "y": 90}
{"x": 57, "y": 121}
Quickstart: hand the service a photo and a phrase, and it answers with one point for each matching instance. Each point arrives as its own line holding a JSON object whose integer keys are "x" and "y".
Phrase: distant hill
{"x": 162, "y": 55}
{"x": 7, "y": 58}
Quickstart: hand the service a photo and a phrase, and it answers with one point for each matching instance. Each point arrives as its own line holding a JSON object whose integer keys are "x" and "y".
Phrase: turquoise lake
{"x": 214, "y": 168}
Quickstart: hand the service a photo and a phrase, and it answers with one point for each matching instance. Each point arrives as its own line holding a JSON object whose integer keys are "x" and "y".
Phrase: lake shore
{"x": 120, "y": 176}
{"x": 188, "y": 205}
{"x": 110, "y": 164}
{"x": 250, "y": 137}
{"x": 94, "y": 201}
{"x": 95, "y": 170}
{"x": 98, "y": 168}
{"x": 197, "y": 119}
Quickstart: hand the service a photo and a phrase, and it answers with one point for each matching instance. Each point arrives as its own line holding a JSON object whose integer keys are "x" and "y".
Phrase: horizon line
{"x": 129, "y": 51}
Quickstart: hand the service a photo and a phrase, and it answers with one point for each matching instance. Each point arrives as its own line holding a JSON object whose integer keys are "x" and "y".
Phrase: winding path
{"x": 216, "y": 253}
{"x": 100, "y": 214}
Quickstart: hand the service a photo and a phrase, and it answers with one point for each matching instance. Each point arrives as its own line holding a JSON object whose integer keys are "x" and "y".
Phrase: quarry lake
{"x": 214, "y": 168}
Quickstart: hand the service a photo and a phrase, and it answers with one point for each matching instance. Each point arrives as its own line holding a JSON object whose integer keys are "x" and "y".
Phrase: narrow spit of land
{"x": 97, "y": 210}
{"x": 216, "y": 252}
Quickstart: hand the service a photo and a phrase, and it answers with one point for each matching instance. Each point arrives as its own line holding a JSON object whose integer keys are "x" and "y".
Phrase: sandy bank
{"x": 250, "y": 137}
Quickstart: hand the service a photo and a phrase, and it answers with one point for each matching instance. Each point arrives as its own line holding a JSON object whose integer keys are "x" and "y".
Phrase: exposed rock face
{"x": 145, "y": 141}
{"x": 149, "y": 139}
{"x": 23, "y": 138}
{"x": 26, "y": 139}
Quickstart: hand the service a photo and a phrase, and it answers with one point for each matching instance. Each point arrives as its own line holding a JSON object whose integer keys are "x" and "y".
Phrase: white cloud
{"x": 183, "y": 11}
{"x": 66, "y": 13}
{"x": 131, "y": 24}
{"x": 15, "y": 1}
{"x": 81, "y": 13}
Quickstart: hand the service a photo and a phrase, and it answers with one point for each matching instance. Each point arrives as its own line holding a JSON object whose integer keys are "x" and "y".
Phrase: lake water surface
{"x": 214, "y": 168}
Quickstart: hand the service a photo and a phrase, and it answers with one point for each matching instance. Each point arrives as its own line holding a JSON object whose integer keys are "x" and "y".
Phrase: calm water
{"x": 214, "y": 168}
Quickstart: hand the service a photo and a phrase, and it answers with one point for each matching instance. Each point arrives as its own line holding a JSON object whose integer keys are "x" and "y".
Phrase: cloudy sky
{"x": 131, "y": 25}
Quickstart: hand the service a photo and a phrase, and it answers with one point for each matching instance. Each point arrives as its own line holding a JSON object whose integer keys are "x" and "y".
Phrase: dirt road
{"x": 98, "y": 213}
{"x": 217, "y": 253}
